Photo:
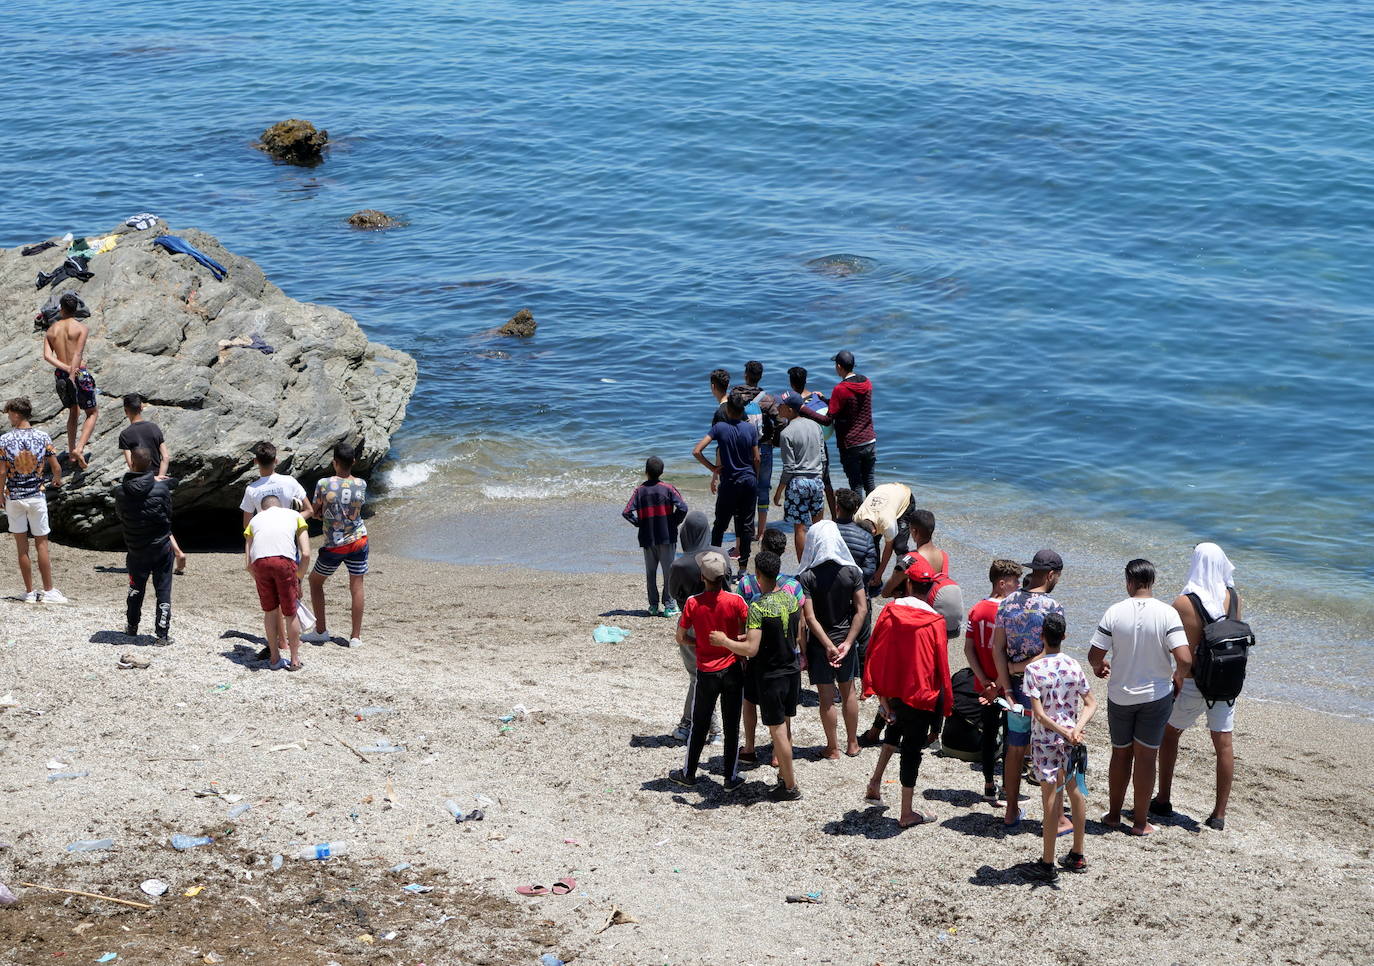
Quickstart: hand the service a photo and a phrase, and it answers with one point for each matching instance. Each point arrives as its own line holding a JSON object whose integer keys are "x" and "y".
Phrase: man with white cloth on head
{"x": 1211, "y": 578}
{"x": 835, "y": 586}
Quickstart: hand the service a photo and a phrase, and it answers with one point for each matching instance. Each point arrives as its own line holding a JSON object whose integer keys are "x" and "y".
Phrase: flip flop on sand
{"x": 922, "y": 818}
{"x": 560, "y": 888}
{"x": 1020, "y": 814}
{"x": 533, "y": 890}
{"x": 563, "y": 886}
{"x": 1146, "y": 832}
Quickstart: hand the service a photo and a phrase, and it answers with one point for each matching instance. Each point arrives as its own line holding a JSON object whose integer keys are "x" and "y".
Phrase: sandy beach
{"x": 577, "y": 787}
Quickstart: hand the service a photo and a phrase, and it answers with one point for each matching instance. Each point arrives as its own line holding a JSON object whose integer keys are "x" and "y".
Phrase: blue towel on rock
{"x": 181, "y": 246}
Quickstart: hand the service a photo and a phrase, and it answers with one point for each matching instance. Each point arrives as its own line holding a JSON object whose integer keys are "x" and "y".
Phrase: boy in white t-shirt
{"x": 1058, "y": 688}
{"x": 269, "y": 482}
{"x": 1149, "y": 661}
{"x": 277, "y": 552}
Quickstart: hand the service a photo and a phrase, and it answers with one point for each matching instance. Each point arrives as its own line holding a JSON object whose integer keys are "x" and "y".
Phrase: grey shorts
{"x": 1144, "y": 723}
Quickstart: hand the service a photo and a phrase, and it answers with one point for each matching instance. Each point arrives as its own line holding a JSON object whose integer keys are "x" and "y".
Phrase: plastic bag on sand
{"x": 7, "y": 898}
{"x": 607, "y": 634}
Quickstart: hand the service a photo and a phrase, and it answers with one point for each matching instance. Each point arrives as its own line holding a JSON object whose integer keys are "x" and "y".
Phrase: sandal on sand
{"x": 749, "y": 757}
{"x": 1020, "y": 814}
{"x": 281, "y": 664}
{"x": 922, "y": 818}
{"x": 1132, "y": 830}
{"x": 533, "y": 890}
{"x": 294, "y": 665}
{"x": 1074, "y": 862}
{"x": 563, "y": 886}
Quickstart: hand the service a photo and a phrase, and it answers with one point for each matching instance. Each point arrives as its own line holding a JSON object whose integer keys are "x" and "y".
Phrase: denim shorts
{"x": 1018, "y": 725}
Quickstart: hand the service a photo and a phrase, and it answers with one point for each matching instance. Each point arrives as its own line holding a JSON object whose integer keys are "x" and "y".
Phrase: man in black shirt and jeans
{"x": 144, "y": 505}
{"x": 146, "y": 433}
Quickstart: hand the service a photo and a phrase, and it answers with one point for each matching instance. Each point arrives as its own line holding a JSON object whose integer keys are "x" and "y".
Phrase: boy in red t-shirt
{"x": 1005, "y": 576}
{"x": 719, "y": 675}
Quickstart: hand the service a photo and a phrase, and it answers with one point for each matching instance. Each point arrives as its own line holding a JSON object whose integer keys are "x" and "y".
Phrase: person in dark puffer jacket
{"x": 144, "y": 506}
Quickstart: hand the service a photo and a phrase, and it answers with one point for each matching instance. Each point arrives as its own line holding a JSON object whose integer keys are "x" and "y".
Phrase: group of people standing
{"x": 274, "y": 506}
{"x": 745, "y": 637}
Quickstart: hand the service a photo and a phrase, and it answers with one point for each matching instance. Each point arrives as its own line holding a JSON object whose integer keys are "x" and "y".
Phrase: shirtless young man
{"x": 64, "y": 348}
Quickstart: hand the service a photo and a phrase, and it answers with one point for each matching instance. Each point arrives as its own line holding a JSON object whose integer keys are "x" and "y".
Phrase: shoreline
{"x": 577, "y": 787}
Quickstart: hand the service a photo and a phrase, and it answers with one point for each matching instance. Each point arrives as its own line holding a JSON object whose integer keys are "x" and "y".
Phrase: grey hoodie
{"x": 684, "y": 577}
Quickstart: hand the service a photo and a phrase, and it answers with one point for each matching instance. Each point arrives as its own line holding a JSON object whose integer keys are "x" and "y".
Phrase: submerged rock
{"x": 159, "y": 325}
{"x": 842, "y": 265}
{"x": 521, "y": 325}
{"x": 295, "y": 142}
{"x": 370, "y": 219}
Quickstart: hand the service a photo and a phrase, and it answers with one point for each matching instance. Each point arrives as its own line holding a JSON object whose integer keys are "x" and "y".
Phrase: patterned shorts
{"x": 1049, "y": 754}
{"x": 804, "y": 500}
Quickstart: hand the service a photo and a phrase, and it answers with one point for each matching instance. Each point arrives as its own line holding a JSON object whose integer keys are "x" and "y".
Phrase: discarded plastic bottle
{"x": 183, "y": 842}
{"x": 63, "y": 776}
{"x": 454, "y": 809}
{"x": 323, "y": 850}
{"x": 277, "y": 861}
{"x": 91, "y": 845}
{"x": 238, "y": 810}
{"x": 382, "y": 747}
{"x": 549, "y": 959}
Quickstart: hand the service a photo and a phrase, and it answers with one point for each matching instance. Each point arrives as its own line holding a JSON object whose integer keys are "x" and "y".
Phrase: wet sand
{"x": 577, "y": 788}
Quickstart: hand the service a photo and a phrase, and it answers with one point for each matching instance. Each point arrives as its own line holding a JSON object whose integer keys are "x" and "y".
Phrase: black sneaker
{"x": 1074, "y": 862}
{"x": 781, "y": 793}
{"x": 732, "y": 783}
{"x": 1042, "y": 870}
{"x": 1217, "y": 823}
{"x": 163, "y": 642}
{"x": 130, "y": 630}
{"x": 677, "y": 777}
{"x": 1163, "y": 809}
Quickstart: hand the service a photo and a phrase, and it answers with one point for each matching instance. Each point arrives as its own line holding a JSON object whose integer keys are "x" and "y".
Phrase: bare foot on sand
{"x": 873, "y": 793}
{"x": 831, "y": 754}
{"x": 1140, "y": 831}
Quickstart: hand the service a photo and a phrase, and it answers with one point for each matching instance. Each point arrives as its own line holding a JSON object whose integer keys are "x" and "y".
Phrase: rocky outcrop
{"x": 370, "y": 219}
{"x": 162, "y": 326}
{"x": 842, "y": 265}
{"x": 521, "y": 325}
{"x": 295, "y": 142}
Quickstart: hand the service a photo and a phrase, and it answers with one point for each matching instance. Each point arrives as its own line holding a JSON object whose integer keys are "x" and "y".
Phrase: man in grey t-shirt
{"x": 803, "y": 460}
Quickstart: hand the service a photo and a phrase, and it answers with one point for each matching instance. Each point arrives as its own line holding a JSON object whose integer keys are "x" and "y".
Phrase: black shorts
{"x": 777, "y": 697}
{"x": 819, "y": 671}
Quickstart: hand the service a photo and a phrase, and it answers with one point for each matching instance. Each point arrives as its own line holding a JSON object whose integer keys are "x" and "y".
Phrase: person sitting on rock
{"x": 64, "y": 348}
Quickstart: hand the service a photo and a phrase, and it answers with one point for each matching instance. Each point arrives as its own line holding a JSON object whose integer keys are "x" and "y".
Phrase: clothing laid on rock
{"x": 142, "y": 221}
{"x": 180, "y": 246}
{"x": 52, "y": 308}
{"x": 40, "y": 247}
{"x": 73, "y": 267}
{"x": 82, "y": 248}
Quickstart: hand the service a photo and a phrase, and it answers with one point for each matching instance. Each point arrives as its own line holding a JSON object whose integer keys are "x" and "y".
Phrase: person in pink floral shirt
{"x": 1062, "y": 703}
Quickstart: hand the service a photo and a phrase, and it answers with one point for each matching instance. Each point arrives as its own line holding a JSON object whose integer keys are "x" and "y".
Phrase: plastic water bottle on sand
{"x": 91, "y": 845}
{"x": 183, "y": 842}
{"x": 323, "y": 851}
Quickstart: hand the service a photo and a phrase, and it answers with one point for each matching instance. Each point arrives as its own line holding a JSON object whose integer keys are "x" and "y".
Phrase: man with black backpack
{"x": 1208, "y": 599}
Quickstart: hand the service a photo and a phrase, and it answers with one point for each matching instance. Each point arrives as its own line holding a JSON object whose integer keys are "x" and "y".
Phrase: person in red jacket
{"x": 850, "y": 411}
{"x": 908, "y": 669}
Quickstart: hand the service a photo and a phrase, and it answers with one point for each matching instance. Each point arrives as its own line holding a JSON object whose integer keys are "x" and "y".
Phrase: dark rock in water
{"x": 295, "y": 142}
{"x": 370, "y": 219}
{"x": 842, "y": 265}
{"x": 158, "y": 328}
{"x": 521, "y": 325}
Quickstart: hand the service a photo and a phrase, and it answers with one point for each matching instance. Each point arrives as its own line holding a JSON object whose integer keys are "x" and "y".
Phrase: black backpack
{"x": 1219, "y": 659}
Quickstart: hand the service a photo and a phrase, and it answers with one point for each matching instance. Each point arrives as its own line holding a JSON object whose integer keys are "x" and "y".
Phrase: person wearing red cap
{"x": 908, "y": 669}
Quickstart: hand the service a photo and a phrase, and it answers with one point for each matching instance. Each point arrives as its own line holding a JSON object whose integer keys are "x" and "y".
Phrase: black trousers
{"x": 913, "y": 728}
{"x": 859, "y": 464}
{"x": 992, "y": 740}
{"x": 728, "y": 687}
{"x": 154, "y": 562}
{"x": 736, "y": 503}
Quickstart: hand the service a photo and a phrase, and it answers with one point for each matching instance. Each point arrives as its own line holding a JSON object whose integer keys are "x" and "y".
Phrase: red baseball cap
{"x": 917, "y": 568}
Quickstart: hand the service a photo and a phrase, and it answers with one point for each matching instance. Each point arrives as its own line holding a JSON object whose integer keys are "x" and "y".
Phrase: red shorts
{"x": 278, "y": 585}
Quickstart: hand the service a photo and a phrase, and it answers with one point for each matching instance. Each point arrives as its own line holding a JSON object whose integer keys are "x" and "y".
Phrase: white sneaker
{"x": 31, "y": 597}
{"x": 714, "y": 739}
{"x": 315, "y": 637}
{"x": 54, "y": 596}
{"x": 355, "y": 642}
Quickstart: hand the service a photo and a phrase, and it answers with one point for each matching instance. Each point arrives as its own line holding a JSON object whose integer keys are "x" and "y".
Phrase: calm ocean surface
{"x": 1120, "y": 253}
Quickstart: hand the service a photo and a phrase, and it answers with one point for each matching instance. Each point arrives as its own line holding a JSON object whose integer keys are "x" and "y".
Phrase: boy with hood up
{"x": 143, "y": 503}
{"x": 684, "y": 580}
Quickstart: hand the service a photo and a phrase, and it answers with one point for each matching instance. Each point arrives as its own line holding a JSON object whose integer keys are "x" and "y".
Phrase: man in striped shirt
{"x": 656, "y": 508}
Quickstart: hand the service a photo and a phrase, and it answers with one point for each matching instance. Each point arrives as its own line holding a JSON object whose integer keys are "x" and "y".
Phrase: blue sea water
{"x": 1120, "y": 251}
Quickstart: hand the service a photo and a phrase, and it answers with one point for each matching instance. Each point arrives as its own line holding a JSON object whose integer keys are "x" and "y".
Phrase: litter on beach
{"x": 609, "y": 634}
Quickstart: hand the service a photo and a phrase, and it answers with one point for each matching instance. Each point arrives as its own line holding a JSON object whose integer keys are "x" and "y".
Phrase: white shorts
{"x": 1190, "y": 705}
{"x": 29, "y": 515}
